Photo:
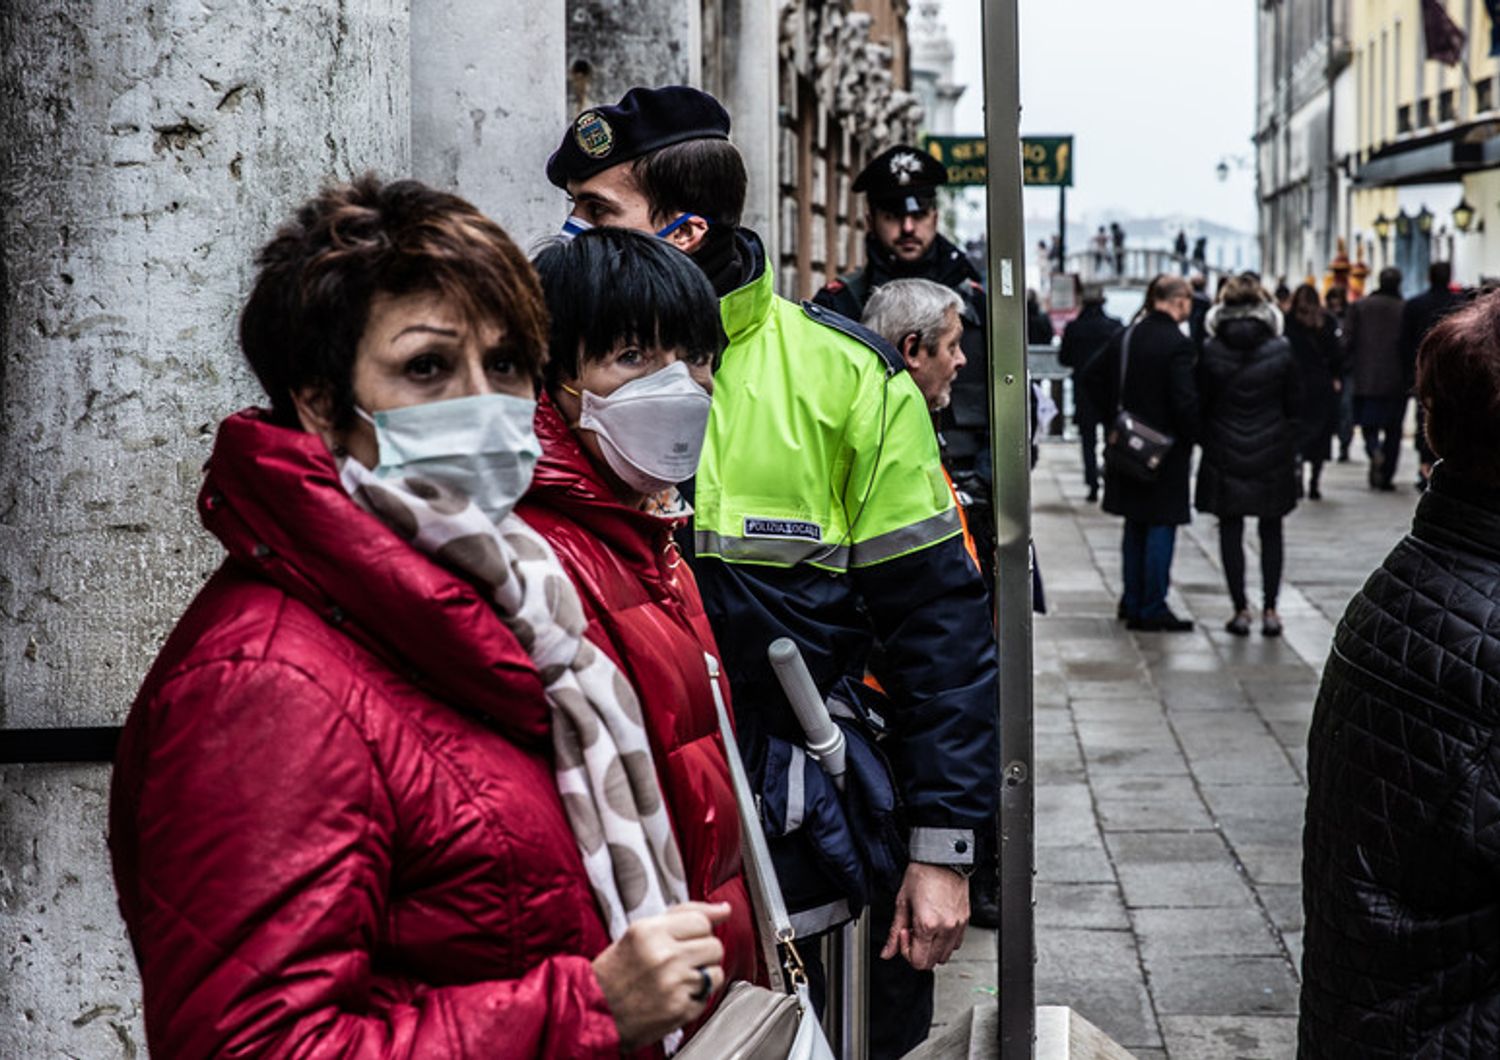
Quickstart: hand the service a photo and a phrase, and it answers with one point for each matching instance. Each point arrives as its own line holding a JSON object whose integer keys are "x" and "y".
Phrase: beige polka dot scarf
{"x": 603, "y": 757}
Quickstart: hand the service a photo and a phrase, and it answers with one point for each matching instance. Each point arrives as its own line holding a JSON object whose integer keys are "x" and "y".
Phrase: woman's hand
{"x": 650, "y": 974}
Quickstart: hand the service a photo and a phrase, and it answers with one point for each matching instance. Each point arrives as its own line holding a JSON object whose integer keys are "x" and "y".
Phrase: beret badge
{"x": 593, "y": 134}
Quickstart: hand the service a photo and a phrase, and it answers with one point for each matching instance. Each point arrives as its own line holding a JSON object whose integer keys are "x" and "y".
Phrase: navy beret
{"x": 643, "y": 121}
{"x": 903, "y": 177}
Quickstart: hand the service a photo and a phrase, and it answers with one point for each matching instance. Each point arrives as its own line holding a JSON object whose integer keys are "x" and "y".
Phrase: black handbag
{"x": 1132, "y": 447}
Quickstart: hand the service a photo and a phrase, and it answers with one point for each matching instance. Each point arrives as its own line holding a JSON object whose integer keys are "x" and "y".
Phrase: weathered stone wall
{"x": 146, "y": 150}
{"x": 488, "y": 106}
{"x": 614, "y": 45}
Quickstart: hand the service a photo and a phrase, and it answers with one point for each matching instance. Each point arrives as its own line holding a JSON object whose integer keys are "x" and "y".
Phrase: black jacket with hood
{"x": 1250, "y": 392}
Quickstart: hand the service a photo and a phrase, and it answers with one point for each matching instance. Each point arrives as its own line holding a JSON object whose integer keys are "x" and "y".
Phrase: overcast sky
{"x": 1155, "y": 94}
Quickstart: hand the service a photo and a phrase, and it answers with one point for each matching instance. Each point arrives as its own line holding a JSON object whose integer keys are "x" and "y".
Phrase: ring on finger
{"x": 705, "y": 985}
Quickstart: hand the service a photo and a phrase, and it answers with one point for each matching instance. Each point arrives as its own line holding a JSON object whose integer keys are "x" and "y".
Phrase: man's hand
{"x": 932, "y": 909}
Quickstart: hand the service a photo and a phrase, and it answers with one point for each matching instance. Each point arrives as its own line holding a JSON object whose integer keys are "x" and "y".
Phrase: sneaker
{"x": 1239, "y": 625}
{"x": 1271, "y": 625}
{"x": 1167, "y": 623}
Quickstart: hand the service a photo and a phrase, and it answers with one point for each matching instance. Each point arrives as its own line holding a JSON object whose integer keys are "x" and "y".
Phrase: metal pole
{"x": 1012, "y": 453}
{"x": 855, "y": 1033}
{"x": 1062, "y": 227}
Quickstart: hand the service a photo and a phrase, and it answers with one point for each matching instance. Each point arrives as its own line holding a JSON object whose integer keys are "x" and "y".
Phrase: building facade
{"x": 1395, "y": 155}
{"x": 1299, "y": 60}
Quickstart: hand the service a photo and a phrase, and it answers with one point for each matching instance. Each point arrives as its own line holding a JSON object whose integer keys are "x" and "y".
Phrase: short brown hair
{"x": 1458, "y": 384}
{"x": 1244, "y": 289}
{"x": 303, "y": 321}
{"x": 704, "y": 176}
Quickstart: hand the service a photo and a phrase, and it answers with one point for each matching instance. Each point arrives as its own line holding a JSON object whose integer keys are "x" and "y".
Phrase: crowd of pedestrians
{"x": 1262, "y": 383}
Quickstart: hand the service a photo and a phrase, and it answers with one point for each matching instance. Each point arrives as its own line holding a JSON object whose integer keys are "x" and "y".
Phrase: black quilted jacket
{"x": 1401, "y": 850}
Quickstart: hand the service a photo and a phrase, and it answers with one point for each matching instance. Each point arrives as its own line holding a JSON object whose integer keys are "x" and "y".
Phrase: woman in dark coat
{"x": 1401, "y": 856}
{"x": 1250, "y": 392}
{"x": 1314, "y": 335}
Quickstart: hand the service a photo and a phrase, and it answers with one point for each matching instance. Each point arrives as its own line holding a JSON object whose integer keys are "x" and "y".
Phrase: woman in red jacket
{"x": 335, "y": 819}
{"x": 635, "y": 336}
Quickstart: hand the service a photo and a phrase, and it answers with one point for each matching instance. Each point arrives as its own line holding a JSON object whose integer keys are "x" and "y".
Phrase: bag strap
{"x": 1124, "y": 363}
{"x": 765, "y": 889}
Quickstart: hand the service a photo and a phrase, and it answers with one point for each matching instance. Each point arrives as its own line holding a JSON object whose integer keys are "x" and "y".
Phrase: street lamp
{"x": 1463, "y": 215}
{"x": 1403, "y": 224}
{"x": 1222, "y": 169}
{"x": 1424, "y": 220}
{"x": 1382, "y": 227}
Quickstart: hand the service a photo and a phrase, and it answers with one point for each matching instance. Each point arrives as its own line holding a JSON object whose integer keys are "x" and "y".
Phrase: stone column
{"x": 147, "y": 147}
{"x": 614, "y": 45}
{"x": 751, "y": 79}
{"x": 488, "y": 103}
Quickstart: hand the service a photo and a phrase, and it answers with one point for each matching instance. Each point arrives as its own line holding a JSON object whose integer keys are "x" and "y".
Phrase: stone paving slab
{"x": 1168, "y": 901}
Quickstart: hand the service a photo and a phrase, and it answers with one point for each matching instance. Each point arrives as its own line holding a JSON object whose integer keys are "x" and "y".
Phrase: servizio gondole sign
{"x": 1046, "y": 161}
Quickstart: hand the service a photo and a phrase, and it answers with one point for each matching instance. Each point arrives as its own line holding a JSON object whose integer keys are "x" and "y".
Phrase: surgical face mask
{"x": 651, "y": 429}
{"x": 483, "y": 446}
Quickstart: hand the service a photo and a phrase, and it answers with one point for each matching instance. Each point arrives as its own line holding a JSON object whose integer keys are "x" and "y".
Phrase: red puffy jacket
{"x": 644, "y": 612}
{"x": 334, "y": 822}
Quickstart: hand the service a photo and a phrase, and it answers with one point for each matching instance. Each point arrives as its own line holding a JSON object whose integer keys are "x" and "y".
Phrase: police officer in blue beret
{"x": 820, "y": 514}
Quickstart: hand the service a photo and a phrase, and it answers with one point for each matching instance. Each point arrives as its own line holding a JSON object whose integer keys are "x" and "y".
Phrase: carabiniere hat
{"x": 902, "y": 179}
{"x": 644, "y": 120}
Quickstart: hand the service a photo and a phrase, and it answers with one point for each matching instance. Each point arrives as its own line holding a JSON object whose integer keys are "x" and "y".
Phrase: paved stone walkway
{"x": 1172, "y": 772}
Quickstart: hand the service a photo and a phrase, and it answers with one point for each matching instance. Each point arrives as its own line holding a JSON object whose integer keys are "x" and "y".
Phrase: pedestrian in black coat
{"x": 1418, "y": 316}
{"x": 1084, "y": 339}
{"x": 1401, "y": 853}
{"x": 1160, "y": 390}
{"x": 1251, "y": 393}
{"x": 1318, "y": 351}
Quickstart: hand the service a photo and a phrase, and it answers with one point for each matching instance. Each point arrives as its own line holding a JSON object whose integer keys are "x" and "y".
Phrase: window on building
{"x": 1446, "y": 111}
{"x": 1484, "y": 94}
{"x": 1424, "y": 112}
{"x": 1403, "y": 119}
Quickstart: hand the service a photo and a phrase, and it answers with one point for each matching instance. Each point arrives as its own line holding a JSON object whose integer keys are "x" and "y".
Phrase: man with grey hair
{"x": 923, "y": 320}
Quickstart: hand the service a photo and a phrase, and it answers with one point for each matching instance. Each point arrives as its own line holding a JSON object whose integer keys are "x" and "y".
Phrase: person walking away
{"x": 1380, "y": 382}
{"x": 1117, "y": 239}
{"x": 1180, "y": 251}
{"x": 816, "y": 519}
{"x": 1100, "y": 248}
{"x": 1200, "y": 254}
{"x": 1250, "y": 394}
{"x": 1156, "y": 361}
{"x": 1318, "y": 352}
{"x": 1201, "y": 305}
{"x": 1402, "y": 942}
{"x": 337, "y": 819}
{"x": 1083, "y": 339}
{"x": 1039, "y": 330}
{"x": 1336, "y": 302}
{"x": 1417, "y": 318}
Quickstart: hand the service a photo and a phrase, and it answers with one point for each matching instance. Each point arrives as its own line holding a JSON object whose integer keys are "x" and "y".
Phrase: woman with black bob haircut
{"x": 381, "y": 795}
{"x": 1400, "y": 851}
{"x": 635, "y": 337}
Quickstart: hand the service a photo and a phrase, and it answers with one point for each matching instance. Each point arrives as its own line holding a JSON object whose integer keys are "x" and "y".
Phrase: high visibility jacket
{"x": 822, "y": 513}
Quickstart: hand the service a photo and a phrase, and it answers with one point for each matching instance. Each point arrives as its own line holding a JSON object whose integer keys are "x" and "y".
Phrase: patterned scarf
{"x": 605, "y": 773}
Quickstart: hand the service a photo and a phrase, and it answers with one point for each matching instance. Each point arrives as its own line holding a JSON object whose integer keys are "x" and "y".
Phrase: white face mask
{"x": 485, "y": 446}
{"x": 651, "y": 429}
